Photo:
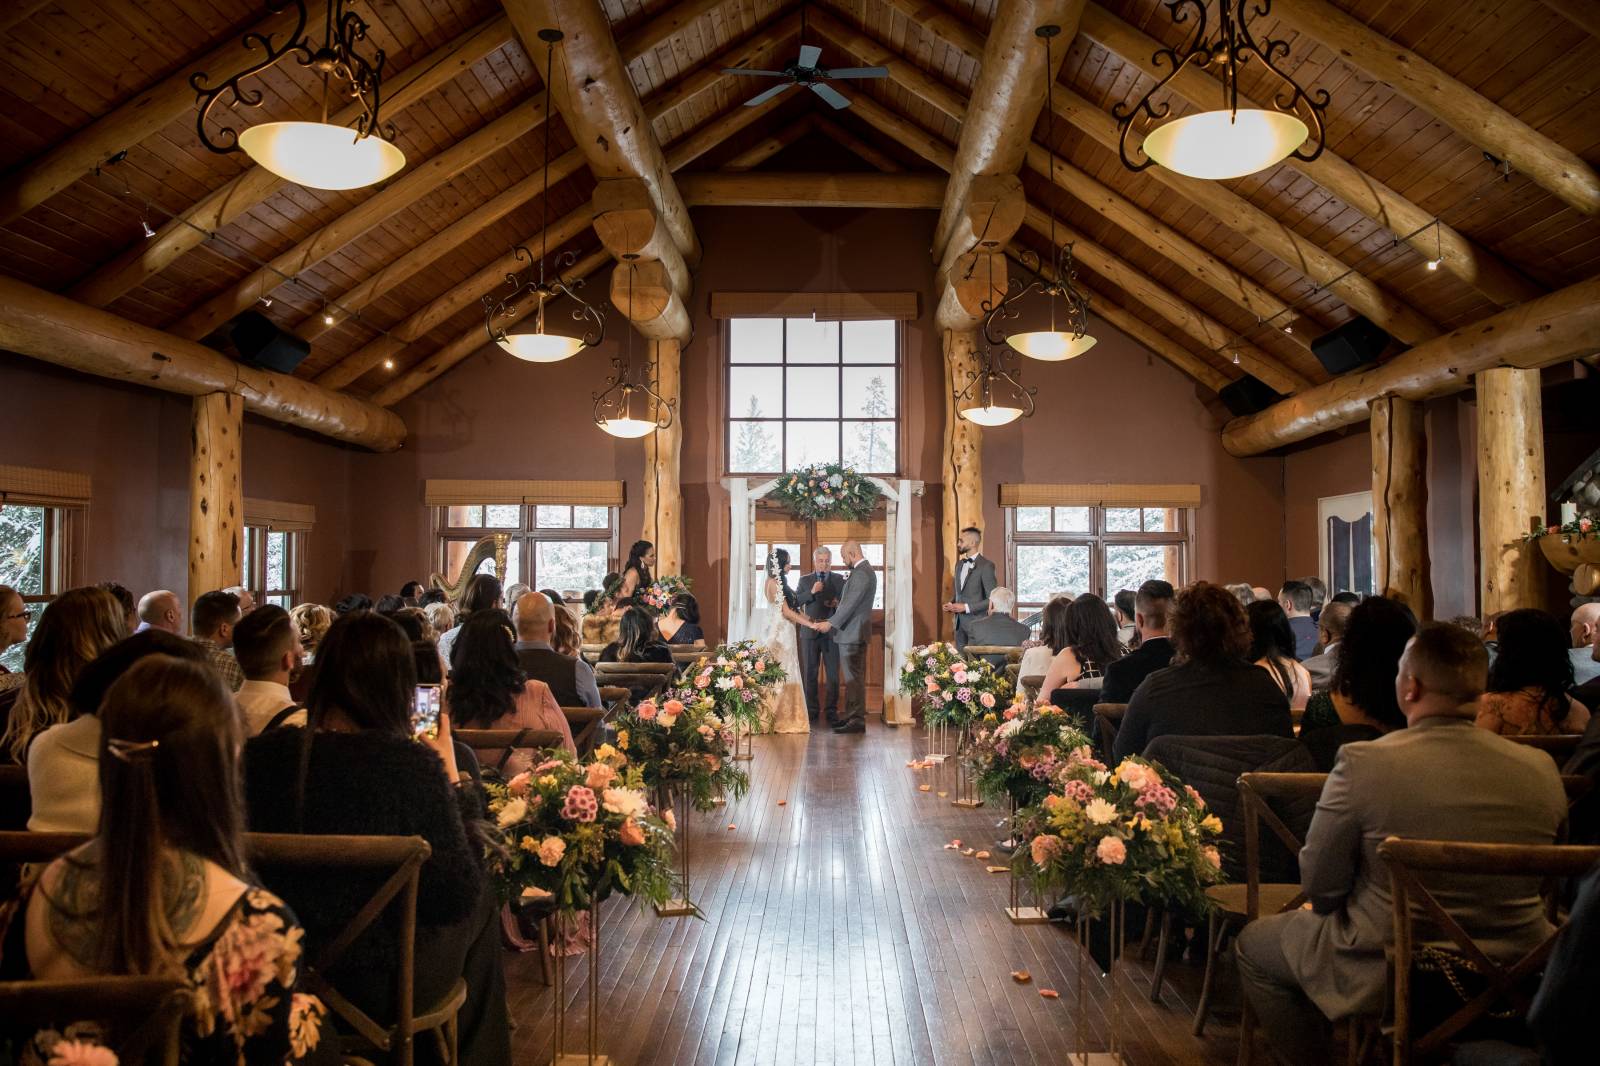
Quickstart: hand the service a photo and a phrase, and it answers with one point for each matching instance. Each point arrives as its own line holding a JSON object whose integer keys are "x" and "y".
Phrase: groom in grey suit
{"x": 849, "y": 626}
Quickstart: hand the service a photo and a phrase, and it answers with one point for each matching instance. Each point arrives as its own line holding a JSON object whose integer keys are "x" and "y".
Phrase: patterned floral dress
{"x": 243, "y": 1012}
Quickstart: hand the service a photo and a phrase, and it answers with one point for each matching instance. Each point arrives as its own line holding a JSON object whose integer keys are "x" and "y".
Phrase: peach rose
{"x": 647, "y": 710}
{"x": 672, "y": 707}
{"x": 702, "y": 681}
{"x": 518, "y": 786}
{"x": 600, "y": 775}
{"x": 551, "y": 850}
{"x": 630, "y": 833}
{"x": 1111, "y": 851}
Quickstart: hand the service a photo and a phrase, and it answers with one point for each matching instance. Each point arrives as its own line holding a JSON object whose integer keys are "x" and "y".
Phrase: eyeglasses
{"x": 25, "y": 615}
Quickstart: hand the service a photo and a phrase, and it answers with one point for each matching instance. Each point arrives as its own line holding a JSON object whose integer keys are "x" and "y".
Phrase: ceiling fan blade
{"x": 858, "y": 72}
{"x": 760, "y": 98}
{"x": 809, "y": 54}
{"x": 834, "y": 98}
{"x": 751, "y": 73}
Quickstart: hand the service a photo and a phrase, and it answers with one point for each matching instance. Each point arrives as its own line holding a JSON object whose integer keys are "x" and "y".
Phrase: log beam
{"x": 223, "y": 205}
{"x": 1476, "y": 118}
{"x": 962, "y": 472}
{"x": 627, "y": 224}
{"x": 758, "y": 49}
{"x": 663, "y": 486}
{"x": 216, "y": 493}
{"x": 1562, "y": 326}
{"x": 1476, "y": 266}
{"x": 778, "y": 189}
{"x": 764, "y": 150}
{"x": 974, "y": 283}
{"x": 1139, "y": 328}
{"x": 55, "y": 329}
{"x": 641, "y": 290}
{"x": 1400, "y": 502}
{"x": 1511, "y": 498}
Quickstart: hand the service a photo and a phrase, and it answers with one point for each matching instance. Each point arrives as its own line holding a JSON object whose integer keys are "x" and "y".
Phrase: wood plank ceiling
{"x": 1189, "y": 265}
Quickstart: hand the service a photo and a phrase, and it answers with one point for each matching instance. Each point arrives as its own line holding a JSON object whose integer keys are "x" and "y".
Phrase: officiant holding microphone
{"x": 818, "y": 595}
{"x": 974, "y": 581}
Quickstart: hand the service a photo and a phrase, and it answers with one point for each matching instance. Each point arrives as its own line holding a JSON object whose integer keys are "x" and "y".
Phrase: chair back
{"x": 16, "y": 802}
{"x": 1256, "y": 792}
{"x": 1009, "y": 652}
{"x": 1030, "y": 685}
{"x": 591, "y": 652}
{"x": 687, "y": 655}
{"x": 1560, "y": 746}
{"x": 144, "y": 1015}
{"x": 645, "y": 678}
{"x": 584, "y": 722}
{"x": 1107, "y": 720}
{"x": 1409, "y": 861}
{"x": 1079, "y": 704}
{"x": 494, "y": 747}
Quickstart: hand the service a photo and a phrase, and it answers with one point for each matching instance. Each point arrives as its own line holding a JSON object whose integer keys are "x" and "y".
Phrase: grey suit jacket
{"x": 1321, "y": 668}
{"x": 854, "y": 613}
{"x": 1441, "y": 779}
{"x": 975, "y": 592}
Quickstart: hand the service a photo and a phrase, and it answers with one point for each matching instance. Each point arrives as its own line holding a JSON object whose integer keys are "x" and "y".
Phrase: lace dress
{"x": 785, "y": 709}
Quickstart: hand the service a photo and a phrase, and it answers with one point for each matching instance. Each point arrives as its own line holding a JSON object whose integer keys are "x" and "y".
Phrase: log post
{"x": 663, "y": 492}
{"x": 216, "y": 493}
{"x": 1510, "y": 487}
{"x": 1400, "y": 502}
{"x": 962, "y": 472}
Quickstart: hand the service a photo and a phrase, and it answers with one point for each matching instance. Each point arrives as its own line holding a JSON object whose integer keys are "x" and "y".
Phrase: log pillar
{"x": 1400, "y": 502}
{"x": 216, "y": 494}
{"x": 663, "y": 491}
{"x": 962, "y": 472}
{"x": 1510, "y": 487}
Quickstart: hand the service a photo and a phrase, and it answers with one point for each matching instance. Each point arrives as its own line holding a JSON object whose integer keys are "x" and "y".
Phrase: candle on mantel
{"x": 1569, "y": 513}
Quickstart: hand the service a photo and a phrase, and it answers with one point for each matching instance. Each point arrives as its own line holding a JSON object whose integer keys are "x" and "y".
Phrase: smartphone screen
{"x": 425, "y": 711}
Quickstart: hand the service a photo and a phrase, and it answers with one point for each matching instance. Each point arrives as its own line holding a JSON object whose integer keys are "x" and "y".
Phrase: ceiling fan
{"x": 805, "y": 72}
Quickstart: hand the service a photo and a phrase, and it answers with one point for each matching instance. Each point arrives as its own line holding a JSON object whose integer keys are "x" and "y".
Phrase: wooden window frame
{"x": 255, "y": 577}
{"x": 1097, "y": 539}
{"x": 528, "y": 534}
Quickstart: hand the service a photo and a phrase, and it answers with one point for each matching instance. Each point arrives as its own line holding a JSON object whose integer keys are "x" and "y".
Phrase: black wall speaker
{"x": 1356, "y": 343}
{"x": 266, "y": 347}
{"x": 1248, "y": 395}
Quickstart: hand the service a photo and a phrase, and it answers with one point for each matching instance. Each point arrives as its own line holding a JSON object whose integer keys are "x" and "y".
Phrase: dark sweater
{"x": 1193, "y": 699}
{"x": 1127, "y": 673}
{"x": 366, "y": 784}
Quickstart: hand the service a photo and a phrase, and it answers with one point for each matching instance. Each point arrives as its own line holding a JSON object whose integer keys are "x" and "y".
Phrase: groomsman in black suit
{"x": 974, "y": 581}
{"x": 818, "y": 595}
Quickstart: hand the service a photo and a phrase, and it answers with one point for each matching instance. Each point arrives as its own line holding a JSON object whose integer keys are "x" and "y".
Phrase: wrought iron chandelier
{"x": 1230, "y": 142}
{"x": 1068, "y": 335}
{"x": 625, "y": 408}
{"x": 500, "y": 312}
{"x": 995, "y": 395}
{"x": 320, "y": 155}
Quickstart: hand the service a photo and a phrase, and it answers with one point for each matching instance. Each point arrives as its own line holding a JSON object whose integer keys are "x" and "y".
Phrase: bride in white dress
{"x": 785, "y": 711}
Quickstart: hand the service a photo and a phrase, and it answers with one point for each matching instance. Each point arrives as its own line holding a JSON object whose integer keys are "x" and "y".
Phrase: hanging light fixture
{"x": 1068, "y": 335}
{"x": 995, "y": 396}
{"x": 624, "y": 408}
{"x": 320, "y": 155}
{"x": 540, "y": 346}
{"x": 1230, "y": 142}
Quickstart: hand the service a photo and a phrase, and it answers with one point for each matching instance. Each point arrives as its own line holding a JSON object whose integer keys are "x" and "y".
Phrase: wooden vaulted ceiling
{"x": 1188, "y": 268}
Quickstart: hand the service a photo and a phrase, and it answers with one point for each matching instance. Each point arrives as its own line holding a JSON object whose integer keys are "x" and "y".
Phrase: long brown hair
{"x": 75, "y": 628}
{"x": 169, "y": 779}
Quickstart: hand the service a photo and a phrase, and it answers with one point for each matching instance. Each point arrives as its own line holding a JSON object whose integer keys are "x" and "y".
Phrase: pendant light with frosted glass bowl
{"x": 1229, "y": 142}
{"x": 319, "y": 155}
{"x": 995, "y": 395}
{"x": 501, "y": 312}
{"x": 624, "y": 408}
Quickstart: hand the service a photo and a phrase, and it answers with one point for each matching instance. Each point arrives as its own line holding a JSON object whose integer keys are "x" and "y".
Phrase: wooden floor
{"x": 838, "y": 929}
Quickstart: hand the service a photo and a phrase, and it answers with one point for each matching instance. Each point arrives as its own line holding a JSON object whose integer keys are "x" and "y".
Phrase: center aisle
{"x": 839, "y": 929}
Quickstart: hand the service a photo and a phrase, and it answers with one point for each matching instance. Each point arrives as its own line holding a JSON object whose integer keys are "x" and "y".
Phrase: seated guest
{"x": 1212, "y": 689}
{"x": 389, "y": 604}
{"x": 124, "y": 598}
{"x": 1243, "y": 593}
{"x": 1438, "y": 779}
{"x": 64, "y": 760}
{"x": 566, "y": 639}
{"x": 1351, "y": 598}
{"x": 311, "y": 620}
{"x": 1272, "y": 646}
{"x": 1319, "y": 595}
{"x": 681, "y": 623}
{"x": 247, "y": 599}
{"x": 411, "y": 593}
{"x": 636, "y": 643}
{"x": 1296, "y": 599}
{"x": 163, "y": 888}
{"x": 14, "y": 615}
{"x": 73, "y": 630}
{"x": 1588, "y": 693}
{"x": 1560, "y": 1015}
{"x": 1585, "y": 628}
{"x": 1151, "y": 606}
{"x": 1471, "y": 623}
{"x": 160, "y": 609}
{"x": 1369, "y": 655}
{"x": 1039, "y": 654}
{"x": 569, "y": 678}
{"x": 601, "y": 623}
{"x": 268, "y": 649}
{"x": 357, "y": 769}
{"x": 1260, "y": 592}
{"x": 1530, "y": 679}
{"x": 998, "y": 627}
{"x": 356, "y": 601}
{"x": 483, "y": 593}
{"x": 442, "y": 617}
{"x": 488, "y": 689}
{"x": 213, "y": 618}
{"x": 415, "y": 622}
{"x": 1127, "y": 630}
{"x": 1330, "y": 631}
{"x": 1086, "y": 641}
{"x": 431, "y": 597}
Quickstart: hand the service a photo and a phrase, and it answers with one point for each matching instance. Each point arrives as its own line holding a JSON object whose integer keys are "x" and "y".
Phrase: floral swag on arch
{"x": 826, "y": 490}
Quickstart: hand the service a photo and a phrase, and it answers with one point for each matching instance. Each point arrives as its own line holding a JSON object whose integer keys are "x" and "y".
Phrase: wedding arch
{"x": 743, "y": 492}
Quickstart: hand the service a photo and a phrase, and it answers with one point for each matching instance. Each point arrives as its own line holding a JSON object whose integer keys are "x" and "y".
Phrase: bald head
{"x": 534, "y": 616}
{"x": 1332, "y": 621}
{"x": 850, "y": 550}
{"x": 162, "y": 609}
{"x": 1585, "y": 624}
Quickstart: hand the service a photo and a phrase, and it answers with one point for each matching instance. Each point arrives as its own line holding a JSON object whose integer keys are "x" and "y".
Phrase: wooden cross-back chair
{"x": 494, "y": 747}
{"x": 16, "y": 802}
{"x": 1559, "y": 746}
{"x": 401, "y": 858}
{"x": 649, "y": 678}
{"x": 1408, "y": 861}
{"x": 585, "y": 725}
{"x": 590, "y": 653}
{"x": 143, "y": 1015}
{"x": 688, "y": 654}
{"x": 1107, "y": 720}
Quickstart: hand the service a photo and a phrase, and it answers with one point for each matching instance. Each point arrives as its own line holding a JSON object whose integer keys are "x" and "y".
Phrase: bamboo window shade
{"x": 1100, "y": 495}
{"x": 440, "y": 492}
{"x": 279, "y": 515}
{"x": 38, "y": 487}
{"x": 827, "y": 531}
{"x": 822, "y": 306}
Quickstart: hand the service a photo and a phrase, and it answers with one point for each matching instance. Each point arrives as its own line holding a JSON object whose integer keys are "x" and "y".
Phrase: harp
{"x": 492, "y": 546}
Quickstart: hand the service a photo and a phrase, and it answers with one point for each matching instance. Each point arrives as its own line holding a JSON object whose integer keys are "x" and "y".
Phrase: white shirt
{"x": 259, "y": 701}
{"x": 963, "y": 568}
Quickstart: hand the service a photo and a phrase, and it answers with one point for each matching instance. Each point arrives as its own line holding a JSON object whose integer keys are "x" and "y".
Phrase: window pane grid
{"x": 1093, "y": 549}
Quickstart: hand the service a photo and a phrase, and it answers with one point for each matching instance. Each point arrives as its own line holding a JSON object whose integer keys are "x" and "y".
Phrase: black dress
{"x": 688, "y": 633}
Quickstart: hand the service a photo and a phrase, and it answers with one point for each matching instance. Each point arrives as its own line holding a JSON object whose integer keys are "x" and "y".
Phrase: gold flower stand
{"x": 676, "y": 798}
{"x": 1020, "y": 911}
{"x": 966, "y": 787}
{"x": 592, "y": 1057}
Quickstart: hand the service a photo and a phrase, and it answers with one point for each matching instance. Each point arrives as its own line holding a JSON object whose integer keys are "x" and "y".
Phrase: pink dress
{"x": 536, "y": 709}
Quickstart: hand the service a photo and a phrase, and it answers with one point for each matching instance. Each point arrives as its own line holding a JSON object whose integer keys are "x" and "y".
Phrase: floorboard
{"x": 839, "y": 930}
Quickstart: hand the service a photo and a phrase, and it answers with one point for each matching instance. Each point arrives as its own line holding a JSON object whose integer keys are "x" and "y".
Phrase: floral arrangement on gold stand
{"x": 738, "y": 676}
{"x": 954, "y": 691}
